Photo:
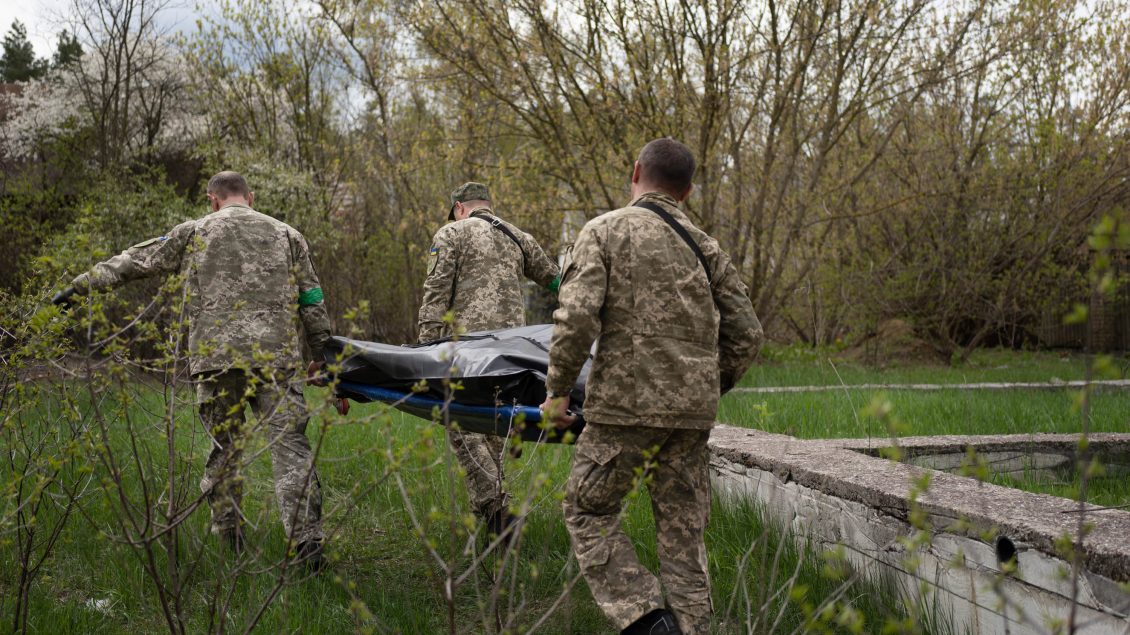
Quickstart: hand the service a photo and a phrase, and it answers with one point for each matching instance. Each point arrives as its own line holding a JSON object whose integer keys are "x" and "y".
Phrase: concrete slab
{"x": 839, "y": 492}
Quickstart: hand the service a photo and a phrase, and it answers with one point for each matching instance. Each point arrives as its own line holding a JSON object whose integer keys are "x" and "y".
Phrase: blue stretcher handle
{"x": 532, "y": 413}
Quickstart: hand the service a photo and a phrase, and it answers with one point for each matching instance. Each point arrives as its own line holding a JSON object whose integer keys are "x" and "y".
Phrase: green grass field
{"x": 797, "y": 366}
{"x": 839, "y": 413}
{"x": 827, "y": 415}
{"x": 1104, "y": 490}
{"x": 95, "y": 584}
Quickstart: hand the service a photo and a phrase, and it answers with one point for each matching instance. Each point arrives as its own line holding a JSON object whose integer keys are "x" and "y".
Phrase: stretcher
{"x": 491, "y": 382}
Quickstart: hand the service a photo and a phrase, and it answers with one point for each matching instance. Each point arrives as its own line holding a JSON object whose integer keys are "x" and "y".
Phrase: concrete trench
{"x": 841, "y": 493}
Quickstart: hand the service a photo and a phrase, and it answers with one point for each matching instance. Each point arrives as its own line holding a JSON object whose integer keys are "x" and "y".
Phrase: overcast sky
{"x": 43, "y": 19}
{"x": 39, "y": 16}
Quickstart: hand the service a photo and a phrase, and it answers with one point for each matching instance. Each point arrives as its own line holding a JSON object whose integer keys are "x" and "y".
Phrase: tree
{"x": 19, "y": 63}
{"x": 68, "y": 51}
{"x": 130, "y": 83}
{"x": 771, "y": 97}
{"x": 974, "y": 224}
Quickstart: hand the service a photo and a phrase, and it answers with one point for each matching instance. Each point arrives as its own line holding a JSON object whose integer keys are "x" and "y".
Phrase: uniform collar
{"x": 657, "y": 197}
{"x": 666, "y": 201}
{"x": 233, "y": 207}
{"x": 480, "y": 210}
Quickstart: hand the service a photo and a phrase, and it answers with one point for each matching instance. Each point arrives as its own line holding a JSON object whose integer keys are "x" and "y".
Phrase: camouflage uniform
{"x": 670, "y": 342}
{"x": 475, "y": 271}
{"x": 245, "y": 274}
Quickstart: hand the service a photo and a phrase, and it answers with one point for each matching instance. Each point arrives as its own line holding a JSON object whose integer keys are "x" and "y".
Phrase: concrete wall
{"x": 840, "y": 493}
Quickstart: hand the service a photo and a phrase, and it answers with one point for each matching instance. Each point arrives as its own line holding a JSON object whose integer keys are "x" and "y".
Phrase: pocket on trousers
{"x": 599, "y": 453}
{"x": 601, "y": 483}
{"x": 596, "y": 555}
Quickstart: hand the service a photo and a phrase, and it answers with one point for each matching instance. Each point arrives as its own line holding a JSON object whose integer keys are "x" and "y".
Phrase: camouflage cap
{"x": 470, "y": 191}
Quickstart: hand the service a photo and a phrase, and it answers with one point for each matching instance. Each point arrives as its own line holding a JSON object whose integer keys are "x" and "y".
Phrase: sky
{"x": 44, "y": 19}
{"x": 41, "y": 17}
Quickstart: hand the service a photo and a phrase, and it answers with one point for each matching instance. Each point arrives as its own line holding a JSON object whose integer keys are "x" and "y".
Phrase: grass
{"x": 800, "y": 366}
{"x": 838, "y": 413}
{"x": 1103, "y": 490}
{"x": 94, "y": 584}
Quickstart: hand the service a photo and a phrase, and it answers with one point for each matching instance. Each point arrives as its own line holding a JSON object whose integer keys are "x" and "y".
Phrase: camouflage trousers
{"x": 480, "y": 457}
{"x": 279, "y": 408}
{"x": 605, "y": 470}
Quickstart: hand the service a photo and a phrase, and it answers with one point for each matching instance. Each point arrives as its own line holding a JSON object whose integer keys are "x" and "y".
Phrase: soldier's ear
{"x": 251, "y": 199}
{"x": 636, "y": 172}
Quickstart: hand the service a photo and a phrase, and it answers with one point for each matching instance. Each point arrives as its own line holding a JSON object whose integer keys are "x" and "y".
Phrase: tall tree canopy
{"x": 68, "y": 51}
{"x": 860, "y": 160}
{"x": 19, "y": 63}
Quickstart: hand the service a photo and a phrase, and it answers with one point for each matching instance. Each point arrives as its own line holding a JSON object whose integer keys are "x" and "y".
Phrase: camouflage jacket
{"x": 669, "y": 341}
{"x": 475, "y": 271}
{"x": 246, "y": 275}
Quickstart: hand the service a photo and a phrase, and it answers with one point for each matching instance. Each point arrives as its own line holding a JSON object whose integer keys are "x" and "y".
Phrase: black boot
{"x": 309, "y": 554}
{"x": 657, "y": 622}
{"x": 233, "y": 538}
{"x": 501, "y": 523}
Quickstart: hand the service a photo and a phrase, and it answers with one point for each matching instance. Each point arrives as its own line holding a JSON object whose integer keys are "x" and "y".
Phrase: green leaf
{"x": 1078, "y": 315}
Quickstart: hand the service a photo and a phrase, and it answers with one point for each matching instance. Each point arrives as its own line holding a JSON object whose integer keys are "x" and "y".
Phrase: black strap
{"x": 497, "y": 224}
{"x": 682, "y": 232}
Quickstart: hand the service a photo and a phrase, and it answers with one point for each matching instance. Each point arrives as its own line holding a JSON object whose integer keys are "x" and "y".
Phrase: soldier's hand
{"x": 65, "y": 298}
{"x": 556, "y": 411}
{"x": 314, "y": 374}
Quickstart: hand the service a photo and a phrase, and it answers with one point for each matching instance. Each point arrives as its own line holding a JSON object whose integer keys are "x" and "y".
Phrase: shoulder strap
{"x": 497, "y": 224}
{"x": 682, "y": 232}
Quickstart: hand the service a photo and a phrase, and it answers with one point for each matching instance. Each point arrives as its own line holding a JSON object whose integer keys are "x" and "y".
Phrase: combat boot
{"x": 502, "y": 523}
{"x": 309, "y": 554}
{"x": 657, "y": 622}
{"x": 233, "y": 538}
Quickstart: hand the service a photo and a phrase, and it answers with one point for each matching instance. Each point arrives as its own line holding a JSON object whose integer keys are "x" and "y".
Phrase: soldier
{"x": 475, "y": 271}
{"x": 676, "y": 330}
{"x": 246, "y": 274}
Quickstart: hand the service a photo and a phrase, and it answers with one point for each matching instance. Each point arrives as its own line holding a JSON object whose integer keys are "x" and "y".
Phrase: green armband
{"x": 555, "y": 285}
{"x": 310, "y": 296}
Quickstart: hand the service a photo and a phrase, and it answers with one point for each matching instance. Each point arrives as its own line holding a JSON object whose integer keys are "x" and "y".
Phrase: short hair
{"x": 668, "y": 164}
{"x": 227, "y": 184}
